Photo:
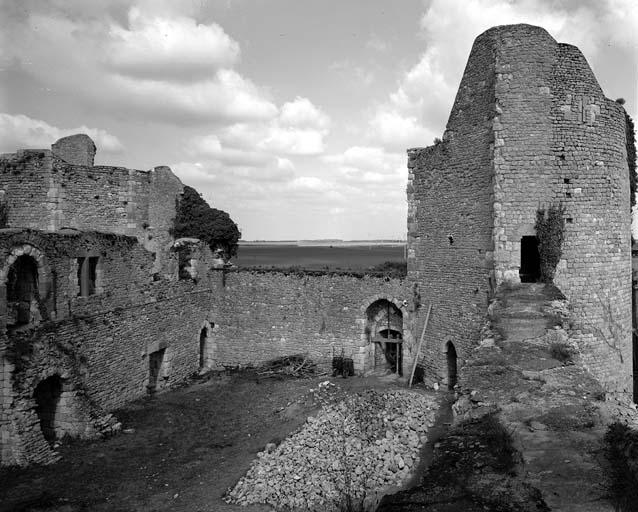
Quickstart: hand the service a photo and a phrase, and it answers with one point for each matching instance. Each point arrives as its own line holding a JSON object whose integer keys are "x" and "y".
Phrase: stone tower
{"x": 530, "y": 127}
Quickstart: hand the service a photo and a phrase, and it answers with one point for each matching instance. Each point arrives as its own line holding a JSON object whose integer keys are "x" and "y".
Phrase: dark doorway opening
{"x": 203, "y": 347}
{"x": 393, "y": 349}
{"x": 22, "y": 290}
{"x": 451, "y": 365}
{"x": 47, "y": 397}
{"x": 154, "y": 367}
{"x": 530, "y": 271}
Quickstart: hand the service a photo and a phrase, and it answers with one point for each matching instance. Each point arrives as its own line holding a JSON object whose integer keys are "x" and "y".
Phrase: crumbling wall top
{"x": 76, "y": 149}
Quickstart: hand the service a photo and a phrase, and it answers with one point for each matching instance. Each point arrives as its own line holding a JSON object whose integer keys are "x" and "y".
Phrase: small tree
{"x": 195, "y": 218}
{"x": 550, "y": 231}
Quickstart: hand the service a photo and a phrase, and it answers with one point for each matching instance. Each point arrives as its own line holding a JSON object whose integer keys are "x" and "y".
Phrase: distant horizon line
{"x": 295, "y": 240}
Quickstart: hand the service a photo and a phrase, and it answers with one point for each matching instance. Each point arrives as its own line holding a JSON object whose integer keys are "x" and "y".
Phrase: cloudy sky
{"x": 292, "y": 115}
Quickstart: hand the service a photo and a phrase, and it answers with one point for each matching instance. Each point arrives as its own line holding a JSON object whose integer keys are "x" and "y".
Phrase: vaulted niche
{"x": 47, "y": 397}
{"x": 22, "y": 292}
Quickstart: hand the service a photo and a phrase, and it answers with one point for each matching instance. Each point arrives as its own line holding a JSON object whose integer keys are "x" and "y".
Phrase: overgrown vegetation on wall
{"x": 550, "y": 230}
{"x": 621, "y": 450}
{"x": 195, "y": 218}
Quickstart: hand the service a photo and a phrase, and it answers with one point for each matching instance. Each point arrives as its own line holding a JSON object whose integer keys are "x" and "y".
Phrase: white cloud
{"x": 377, "y": 44}
{"x": 301, "y": 113}
{"x": 299, "y": 129}
{"x": 417, "y": 110}
{"x": 186, "y": 80}
{"x": 20, "y": 131}
{"x": 172, "y": 48}
{"x": 368, "y": 158}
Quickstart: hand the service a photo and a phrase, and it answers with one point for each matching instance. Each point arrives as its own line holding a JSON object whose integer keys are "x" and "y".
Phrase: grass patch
{"x": 621, "y": 450}
{"x": 467, "y": 463}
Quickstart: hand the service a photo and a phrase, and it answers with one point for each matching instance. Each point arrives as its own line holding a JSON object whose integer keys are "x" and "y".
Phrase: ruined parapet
{"x": 40, "y": 190}
{"x": 76, "y": 149}
{"x": 530, "y": 128}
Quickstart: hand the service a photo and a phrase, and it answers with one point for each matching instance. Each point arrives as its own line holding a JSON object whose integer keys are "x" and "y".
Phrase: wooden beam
{"x": 418, "y": 350}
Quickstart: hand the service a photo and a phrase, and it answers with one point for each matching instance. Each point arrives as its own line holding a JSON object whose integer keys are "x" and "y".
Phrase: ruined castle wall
{"x": 588, "y": 143}
{"x": 139, "y": 332}
{"x": 262, "y": 315}
{"x": 44, "y": 192}
{"x": 523, "y": 162}
{"x": 26, "y": 178}
{"x": 101, "y": 346}
{"x": 557, "y": 139}
{"x": 450, "y": 220}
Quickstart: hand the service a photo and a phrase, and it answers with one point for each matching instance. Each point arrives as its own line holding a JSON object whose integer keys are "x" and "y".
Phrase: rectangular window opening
{"x": 569, "y": 220}
{"x": 87, "y": 275}
{"x": 566, "y": 181}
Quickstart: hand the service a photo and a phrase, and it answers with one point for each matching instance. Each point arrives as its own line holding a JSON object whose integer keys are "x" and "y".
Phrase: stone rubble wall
{"x": 530, "y": 127}
{"x": 450, "y": 246}
{"x": 263, "y": 315}
{"x": 42, "y": 191}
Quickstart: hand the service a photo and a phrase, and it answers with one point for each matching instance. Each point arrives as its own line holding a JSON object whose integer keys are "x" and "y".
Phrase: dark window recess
{"x": 530, "y": 271}
{"x": 22, "y": 290}
{"x": 568, "y": 194}
{"x": 87, "y": 275}
{"x": 47, "y": 397}
{"x": 451, "y": 365}
{"x": 569, "y": 220}
{"x": 566, "y": 181}
{"x": 155, "y": 361}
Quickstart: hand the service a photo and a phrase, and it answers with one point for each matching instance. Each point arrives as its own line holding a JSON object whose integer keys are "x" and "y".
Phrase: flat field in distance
{"x": 318, "y": 255}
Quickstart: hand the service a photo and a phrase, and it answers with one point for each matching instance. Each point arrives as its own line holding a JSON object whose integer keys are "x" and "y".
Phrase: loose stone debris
{"x": 353, "y": 449}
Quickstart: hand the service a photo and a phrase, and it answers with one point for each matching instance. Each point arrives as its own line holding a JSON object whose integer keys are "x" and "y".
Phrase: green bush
{"x": 195, "y": 218}
{"x": 550, "y": 230}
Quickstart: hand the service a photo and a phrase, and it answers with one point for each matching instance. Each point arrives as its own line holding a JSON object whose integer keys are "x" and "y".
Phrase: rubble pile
{"x": 351, "y": 450}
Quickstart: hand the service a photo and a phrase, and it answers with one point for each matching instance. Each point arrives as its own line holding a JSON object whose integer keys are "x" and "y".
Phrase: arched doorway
{"x": 451, "y": 365}
{"x": 22, "y": 292}
{"x": 47, "y": 397}
{"x": 385, "y": 329}
{"x": 203, "y": 348}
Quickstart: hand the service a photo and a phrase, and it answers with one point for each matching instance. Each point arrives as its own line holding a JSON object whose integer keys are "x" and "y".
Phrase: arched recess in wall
{"x": 384, "y": 328}
{"x": 451, "y": 357}
{"x": 26, "y": 277}
{"x": 47, "y": 398}
{"x": 206, "y": 345}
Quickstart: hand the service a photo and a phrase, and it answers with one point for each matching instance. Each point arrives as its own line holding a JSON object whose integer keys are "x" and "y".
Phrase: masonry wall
{"x": 450, "y": 246}
{"x": 262, "y": 315}
{"x": 42, "y": 191}
{"x": 530, "y": 128}
{"x": 558, "y": 140}
{"x": 100, "y": 346}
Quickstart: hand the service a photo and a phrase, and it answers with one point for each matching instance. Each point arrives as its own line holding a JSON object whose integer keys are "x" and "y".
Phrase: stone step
{"x": 519, "y": 329}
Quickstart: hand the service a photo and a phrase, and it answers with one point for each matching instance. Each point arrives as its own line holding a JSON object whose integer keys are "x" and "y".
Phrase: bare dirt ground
{"x": 186, "y": 448}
